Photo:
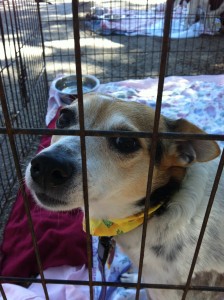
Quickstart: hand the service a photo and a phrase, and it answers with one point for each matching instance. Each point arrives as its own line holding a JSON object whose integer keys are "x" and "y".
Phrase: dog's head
{"x": 117, "y": 167}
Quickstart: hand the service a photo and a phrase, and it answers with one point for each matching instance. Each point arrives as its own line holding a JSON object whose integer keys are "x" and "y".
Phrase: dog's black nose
{"x": 50, "y": 169}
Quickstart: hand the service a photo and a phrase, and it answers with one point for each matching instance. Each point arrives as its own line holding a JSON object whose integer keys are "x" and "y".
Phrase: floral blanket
{"x": 198, "y": 99}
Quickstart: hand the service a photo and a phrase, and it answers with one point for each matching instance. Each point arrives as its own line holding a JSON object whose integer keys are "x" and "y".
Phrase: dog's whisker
{"x": 41, "y": 146}
{"x": 22, "y": 183}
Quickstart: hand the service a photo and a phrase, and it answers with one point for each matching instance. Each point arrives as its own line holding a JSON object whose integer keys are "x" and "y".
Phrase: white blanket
{"x": 149, "y": 22}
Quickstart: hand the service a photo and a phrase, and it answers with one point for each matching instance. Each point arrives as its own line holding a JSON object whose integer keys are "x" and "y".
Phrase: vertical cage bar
{"x": 42, "y": 42}
{"x": 162, "y": 72}
{"x": 75, "y": 11}
{"x": 2, "y": 292}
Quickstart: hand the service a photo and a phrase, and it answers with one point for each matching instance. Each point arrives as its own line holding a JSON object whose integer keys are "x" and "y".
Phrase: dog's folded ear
{"x": 186, "y": 152}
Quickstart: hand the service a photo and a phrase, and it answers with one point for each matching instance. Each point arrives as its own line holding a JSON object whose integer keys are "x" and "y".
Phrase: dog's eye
{"x": 65, "y": 119}
{"x": 125, "y": 145}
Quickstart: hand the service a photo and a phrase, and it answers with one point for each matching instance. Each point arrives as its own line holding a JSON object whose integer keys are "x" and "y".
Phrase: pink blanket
{"x": 55, "y": 291}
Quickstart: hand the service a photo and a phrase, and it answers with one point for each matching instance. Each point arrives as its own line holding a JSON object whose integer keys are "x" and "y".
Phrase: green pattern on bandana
{"x": 119, "y": 231}
{"x": 108, "y": 223}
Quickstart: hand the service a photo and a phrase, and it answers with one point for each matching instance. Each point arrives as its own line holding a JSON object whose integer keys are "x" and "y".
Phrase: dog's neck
{"x": 162, "y": 192}
{"x": 158, "y": 200}
{"x": 162, "y": 195}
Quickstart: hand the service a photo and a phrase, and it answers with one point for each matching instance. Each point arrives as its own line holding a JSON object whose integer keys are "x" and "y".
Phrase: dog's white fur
{"x": 117, "y": 181}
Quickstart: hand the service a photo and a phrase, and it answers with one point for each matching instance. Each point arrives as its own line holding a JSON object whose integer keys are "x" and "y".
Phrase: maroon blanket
{"x": 60, "y": 237}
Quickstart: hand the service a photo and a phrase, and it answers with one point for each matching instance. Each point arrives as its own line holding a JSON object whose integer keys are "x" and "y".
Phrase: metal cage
{"x": 37, "y": 43}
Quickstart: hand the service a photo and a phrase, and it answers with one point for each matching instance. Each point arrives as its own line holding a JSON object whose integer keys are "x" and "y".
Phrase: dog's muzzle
{"x": 50, "y": 169}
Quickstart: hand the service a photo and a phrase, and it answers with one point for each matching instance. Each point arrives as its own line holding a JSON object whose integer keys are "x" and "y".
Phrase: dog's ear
{"x": 186, "y": 152}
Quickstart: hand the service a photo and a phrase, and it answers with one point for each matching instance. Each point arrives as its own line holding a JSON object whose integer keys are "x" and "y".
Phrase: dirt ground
{"x": 140, "y": 57}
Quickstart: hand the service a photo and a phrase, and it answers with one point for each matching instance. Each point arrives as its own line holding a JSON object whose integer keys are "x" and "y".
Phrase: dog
{"x": 117, "y": 170}
{"x": 205, "y": 10}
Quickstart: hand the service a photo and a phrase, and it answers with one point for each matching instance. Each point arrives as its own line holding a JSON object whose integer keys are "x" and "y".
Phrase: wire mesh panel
{"x": 111, "y": 41}
{"x": 132, "y": 31}
{"x": 23, "y": 85}
{"x": 123, "y": 39}
{"x": 56, "y": 20}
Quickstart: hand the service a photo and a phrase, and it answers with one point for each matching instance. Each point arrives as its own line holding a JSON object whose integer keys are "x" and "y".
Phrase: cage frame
{"x": 11, "y": 132}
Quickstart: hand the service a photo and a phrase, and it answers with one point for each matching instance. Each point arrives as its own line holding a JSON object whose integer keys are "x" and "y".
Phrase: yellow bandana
{"x": 114, "y": 227}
